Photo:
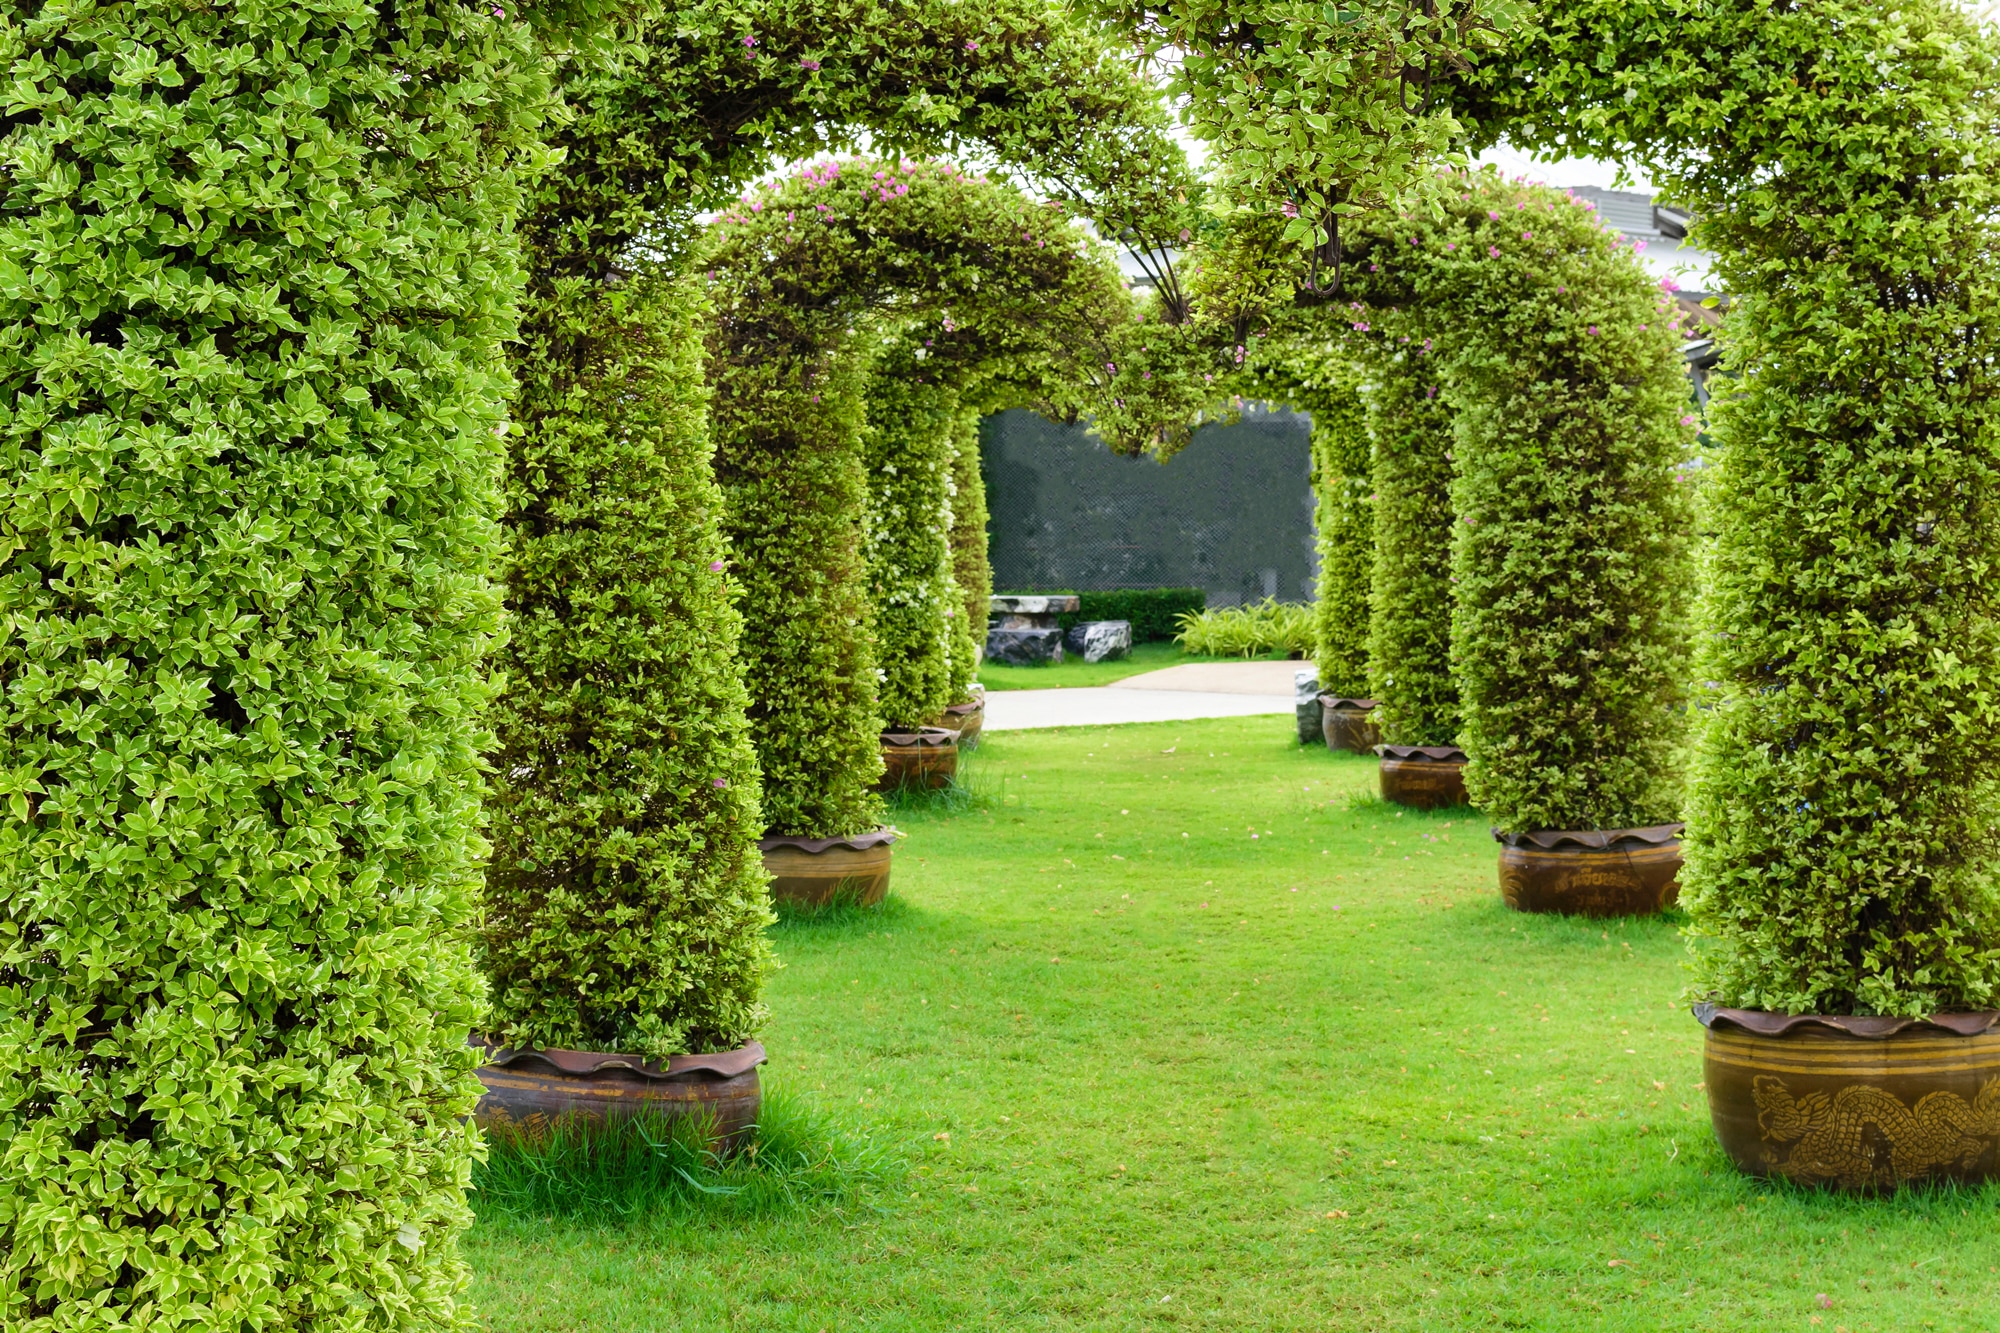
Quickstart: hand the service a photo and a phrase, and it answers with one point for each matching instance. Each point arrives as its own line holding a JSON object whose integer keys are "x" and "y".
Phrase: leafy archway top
{"x": 976, "y": 271}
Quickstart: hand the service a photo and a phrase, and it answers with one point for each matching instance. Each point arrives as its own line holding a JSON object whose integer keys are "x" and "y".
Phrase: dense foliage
{"x": 971, "y": 570}
{"x": 1844, "y": 824}
{"x": 1322, "y": 378}
{"x": 1409, "y": 625}
{"x": 257, "y": 270}
{"x": 808, "y": 275}
{"x": 908, "y": 453}
{"x": 625, "y": 900}
{"x": 1570, "y": 526}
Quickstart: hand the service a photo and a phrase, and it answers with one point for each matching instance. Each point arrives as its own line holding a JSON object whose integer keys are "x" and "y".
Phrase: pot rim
{"x": 921, "y": 736}
{"x": 1345, "y": 704}
{"x": 1862, "y": 1027}
{"x": 1548, "y": 840}
{"x": 583, "y": 1064}
{"x": 1437, "y": 754}
{"x": 859, "y": 842}
{"x": 969, "y": 706}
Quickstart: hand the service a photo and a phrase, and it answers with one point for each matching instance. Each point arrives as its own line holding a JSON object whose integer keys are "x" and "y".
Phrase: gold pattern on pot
{"x": 1832, "y": 1139}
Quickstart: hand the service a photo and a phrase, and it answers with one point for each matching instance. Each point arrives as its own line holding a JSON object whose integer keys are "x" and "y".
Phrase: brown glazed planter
{"x": 1855, "y": 1103}
{"x": 530, "y": 1092}
{"x": 1428, "y": 777}
{"x": 965, "y": 719}
{"x": 1345, "y": 725}
{"x": 1609, "y": 872}
{"x": 813, "y": 872}
{"x": 926, "y": 758}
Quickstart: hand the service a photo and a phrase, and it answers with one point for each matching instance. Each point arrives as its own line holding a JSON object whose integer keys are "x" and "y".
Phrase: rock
{"x": 1023, "y": 647}
{"x": 1305, "y": 701}
{"x": 1037, "y": 612}
{"x": 1100, "y": 640}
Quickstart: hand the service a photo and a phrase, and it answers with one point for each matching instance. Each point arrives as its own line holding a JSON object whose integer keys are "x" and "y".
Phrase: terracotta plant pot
{"x": 1855, "y": 1103}
{"x": 1428, "y": 777}
{"x": 926, "y": 758}
{"x": 1345, "y": 724}
{"x": 530, "y": 1092}
{"x": 1612, "y": 872}
{"x": 965, "y": 719}
{"x": 813, "y": 872}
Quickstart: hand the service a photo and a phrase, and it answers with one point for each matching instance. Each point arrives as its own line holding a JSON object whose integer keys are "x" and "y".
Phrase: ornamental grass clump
{"x": 257, "y": 269}
{"x": 1844, "y": 822}
{"x": 1269, "y": 626}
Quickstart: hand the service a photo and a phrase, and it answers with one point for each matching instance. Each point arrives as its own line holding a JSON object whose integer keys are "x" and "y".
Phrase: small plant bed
{"x": 1075, "y": 673}
{"x": 1297, "y": 1070}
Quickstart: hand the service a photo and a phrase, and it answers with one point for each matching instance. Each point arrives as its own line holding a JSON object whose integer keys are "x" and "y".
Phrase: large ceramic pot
{"x": 965, "y": 719}
{"x": 1347, "y": 724}
{"x": 1427, "y": 777}
{"x": 814, "y": 872}
{"x": 1855, "y": 1103}
{"x": 925, "y": 758}
{"x": 1609, "y": 872}
{"x": 529, "y": 1092}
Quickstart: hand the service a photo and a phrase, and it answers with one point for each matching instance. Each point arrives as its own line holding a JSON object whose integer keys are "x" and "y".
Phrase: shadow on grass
{"x": 838, "y": 914}
{"x": 663, "y": 1170}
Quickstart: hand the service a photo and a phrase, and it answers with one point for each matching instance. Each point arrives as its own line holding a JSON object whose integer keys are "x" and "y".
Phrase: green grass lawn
{"x": 1073, "y": 671}
{"x": 1178, "y": 1027}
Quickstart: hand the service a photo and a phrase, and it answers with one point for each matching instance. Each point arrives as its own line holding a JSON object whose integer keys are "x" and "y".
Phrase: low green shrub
{"x": 1155, "y": 613}
{"x": 1269, "y": 626}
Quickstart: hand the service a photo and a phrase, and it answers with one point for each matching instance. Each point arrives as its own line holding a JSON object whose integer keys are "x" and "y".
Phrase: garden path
{"x": 1174, "y": 694}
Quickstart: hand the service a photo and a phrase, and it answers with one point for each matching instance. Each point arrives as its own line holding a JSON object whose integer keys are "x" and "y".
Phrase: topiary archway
{"x": 807, "y": 276}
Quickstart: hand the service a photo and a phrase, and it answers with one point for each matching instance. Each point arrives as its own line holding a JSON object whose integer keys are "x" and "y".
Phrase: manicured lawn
{"x": 1315, "y": 1078}
{"x": 1073, "y": 671}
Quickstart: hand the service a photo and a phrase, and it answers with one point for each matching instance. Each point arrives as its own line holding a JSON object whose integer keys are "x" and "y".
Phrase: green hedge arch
{"x": 257, "y": 271}
{"x": 805, "y": 274}
{"x": 625, "y": 900}
{"x": 1570, "y": 512}
{"x": 1841, "y": 155}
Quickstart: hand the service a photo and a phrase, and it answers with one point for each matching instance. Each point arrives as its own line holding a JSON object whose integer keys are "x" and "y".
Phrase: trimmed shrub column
{"x": 625, "y": 902}
{"x": 257, "y": 271}
{"x": 908, "y": 452}
{"x": 1344, "y": 522}
{"x": 1409, "y": 630}
{"x": 971, "y": 568}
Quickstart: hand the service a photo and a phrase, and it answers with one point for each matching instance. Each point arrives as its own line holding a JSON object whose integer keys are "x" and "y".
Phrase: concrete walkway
{"x": 1175, "y": 694}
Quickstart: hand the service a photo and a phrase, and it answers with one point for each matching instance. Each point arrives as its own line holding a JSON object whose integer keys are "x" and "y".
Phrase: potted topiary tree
{"x": 972, "y": 581}
{"x": 624, "y": 924}
{"x": 1841, "y": 825}
{"x": 1556, "y": 355}
{"x": 805, "y": 274}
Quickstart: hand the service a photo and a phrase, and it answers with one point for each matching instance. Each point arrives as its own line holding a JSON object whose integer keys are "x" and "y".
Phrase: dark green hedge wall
{"x": 1154, "y": 612}
{"x": 256, "y": 271}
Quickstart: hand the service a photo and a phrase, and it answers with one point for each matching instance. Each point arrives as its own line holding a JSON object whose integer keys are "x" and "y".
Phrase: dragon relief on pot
{"x": 1833, "y": 1142}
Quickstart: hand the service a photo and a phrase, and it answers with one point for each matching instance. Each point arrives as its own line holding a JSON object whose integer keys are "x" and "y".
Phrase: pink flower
{"x": 715, "y": 566}
{"x": 809, "y": 64}
{"x": 1687, "y": 421}
{"x": 1527, "y": 236}
{"x": 1593, "y": 330}
{"x": 721, "y": 782}
{"x": 1450, "y": 246}
{"x": 1289, "y": 209}
{"x": 749, "y": 43}
{"x": 1491, "y": 214}
{"x": 1492, "y": 252}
